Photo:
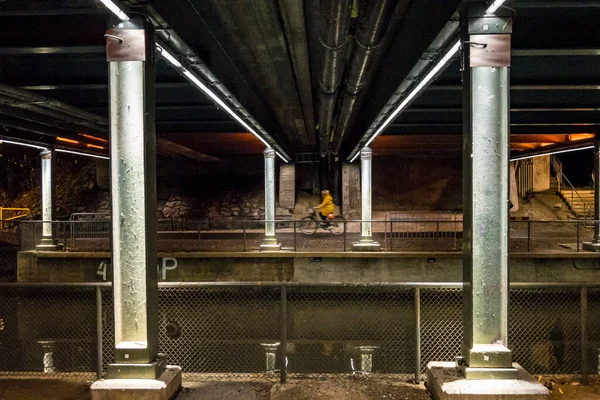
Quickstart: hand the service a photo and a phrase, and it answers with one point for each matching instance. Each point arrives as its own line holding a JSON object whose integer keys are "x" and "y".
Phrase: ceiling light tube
{"x": 517, "y": 158}
{"x": 81, "y": 154}
{"x": 424, "y": 82}
{"x": 22, "y": 144}
{"x": 414, "y": 92}
{"x": 115, "y": 9}
{"x": 198, "y": 83}
{"x": 494, "y": 6}
{"x": 191, "y": 77}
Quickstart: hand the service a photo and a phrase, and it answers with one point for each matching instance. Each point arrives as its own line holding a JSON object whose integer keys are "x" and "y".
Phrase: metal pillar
{"x": 130, "y": 53}
{"x": 366, "y": 242}
{"x": 594, "y": 245}
{"x": 269, "y": 243}
{"x": 47, "y": 160}
{"x": 486, "y": 57}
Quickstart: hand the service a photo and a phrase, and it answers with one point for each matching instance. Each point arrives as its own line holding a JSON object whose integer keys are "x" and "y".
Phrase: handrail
{"x": 587, "y": 210}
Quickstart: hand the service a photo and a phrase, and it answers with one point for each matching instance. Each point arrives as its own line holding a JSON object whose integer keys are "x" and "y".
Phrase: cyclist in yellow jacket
{"x": 326, "y": 207}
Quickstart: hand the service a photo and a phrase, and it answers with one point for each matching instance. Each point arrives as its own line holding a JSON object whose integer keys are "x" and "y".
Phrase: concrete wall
{"x": 417, "y": 183}
{"x": 287, "y": 186}
{"x": 351, "y": 201}
{"x": 541, "y": 173}
{"x": 304, "y": 267}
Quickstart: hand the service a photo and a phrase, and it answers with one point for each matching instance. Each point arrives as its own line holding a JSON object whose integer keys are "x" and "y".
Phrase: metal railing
{"x": 247, "y": 235}
{"x": 215, "y": 330}
{"x": 9, "y": 216}
{"x": 557, "y": 166}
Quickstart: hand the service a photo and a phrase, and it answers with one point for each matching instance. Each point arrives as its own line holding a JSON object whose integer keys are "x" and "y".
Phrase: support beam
{"x": 366, "y": 242}
{"x": 485, "y": 189}
{"x": 14, "y": 51}
{"x": 270, "y": 241}
{"x": 48, "y": 241}
{"x": 133, "y": 188}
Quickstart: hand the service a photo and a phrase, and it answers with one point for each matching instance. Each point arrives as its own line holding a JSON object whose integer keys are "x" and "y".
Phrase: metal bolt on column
{"x": 269, "y": 242}
{"x": 366, "y": 242}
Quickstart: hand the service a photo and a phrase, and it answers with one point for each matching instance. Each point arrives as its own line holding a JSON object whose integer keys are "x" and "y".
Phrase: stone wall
{"x": 419, "y": 182}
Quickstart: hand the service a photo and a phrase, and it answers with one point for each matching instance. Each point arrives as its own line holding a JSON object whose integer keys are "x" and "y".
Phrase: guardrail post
{"x": 244, "y": 229}
{"x": 578, "y": 236}
{"x": 295, "y": 244}
{"x": 345, "y": 229}
{"x": 99, "y": 329}
{"x": 283, "y": 333}
{"x": 391, "y": 235}
{"x": 584, "y": 335}
{"x": 417, "y": 297}
{"x": 528, "y": 236}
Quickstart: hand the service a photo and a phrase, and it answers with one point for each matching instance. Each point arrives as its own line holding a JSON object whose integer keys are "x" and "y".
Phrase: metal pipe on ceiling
{"x": 168, "y": 39}
{"x": 426, "y": 63}
{"x": 376, "y": 19}
{"x": 41, "y": 115}
{"x": 27, "y": 98}
{"x": 334, "y": 26}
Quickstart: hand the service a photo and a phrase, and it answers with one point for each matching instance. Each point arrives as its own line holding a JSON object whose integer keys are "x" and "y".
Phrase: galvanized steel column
{"x": 486, "y": 51}
{"x": 47, "y": 160}
{"x": 366, "y": 157}
{"x": 270, "y": 241}
{"x": 594, "y": 245}
{"x": 130, "y": 52}
{"x": 366, "y": 242}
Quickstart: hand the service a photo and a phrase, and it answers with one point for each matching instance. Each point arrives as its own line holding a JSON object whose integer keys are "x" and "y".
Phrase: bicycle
{"x": 334, "y": 224}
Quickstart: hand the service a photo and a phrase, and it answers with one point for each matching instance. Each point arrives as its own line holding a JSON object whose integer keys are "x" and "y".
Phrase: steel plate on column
{"x": 125, "y": 45}
{"x": 490, "y": 50}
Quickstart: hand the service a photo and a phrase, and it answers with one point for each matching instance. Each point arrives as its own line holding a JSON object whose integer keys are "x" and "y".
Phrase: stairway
{"x": 580, "y": 201}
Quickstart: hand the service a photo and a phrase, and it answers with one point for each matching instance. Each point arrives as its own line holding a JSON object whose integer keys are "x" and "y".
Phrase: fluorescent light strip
{"x": 551, "y": 153}
{"x": 424, "y": 82}
{"x": 193, "y": 79}
{"x": 23, "y": 144}
{"x": 495, "y": 6}
{"x": 115, "y": 9}
{"x": 81, "y": 154}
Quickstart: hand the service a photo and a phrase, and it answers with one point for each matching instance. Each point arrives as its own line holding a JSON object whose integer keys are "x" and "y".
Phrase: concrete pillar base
{"x": 152, "y": 370}
{"x": 366, "y": 244}
{"x": 591, "y": 246}
{"x": 47, "y": 244}
{"x": 445, "y": 382}
{"x": 270, "y": 244}
{"x": 166, "y": 387}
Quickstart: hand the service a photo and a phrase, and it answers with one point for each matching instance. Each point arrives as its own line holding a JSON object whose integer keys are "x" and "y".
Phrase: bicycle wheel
{"x": 338, "y": 226}
{"x": 308, "y": 226}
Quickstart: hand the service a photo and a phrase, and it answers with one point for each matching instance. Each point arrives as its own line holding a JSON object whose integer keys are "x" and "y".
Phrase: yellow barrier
{"x": 17, "y": 213}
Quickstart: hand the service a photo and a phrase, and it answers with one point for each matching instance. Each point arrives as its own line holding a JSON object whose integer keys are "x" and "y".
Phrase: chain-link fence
{"x": 216, "y": 332}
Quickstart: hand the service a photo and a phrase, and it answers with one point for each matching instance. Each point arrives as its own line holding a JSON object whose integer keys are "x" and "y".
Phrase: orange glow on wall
{"x": 94, "y": 146}
{"x": 67, "y": 140}
{"x": 92, "y": 137}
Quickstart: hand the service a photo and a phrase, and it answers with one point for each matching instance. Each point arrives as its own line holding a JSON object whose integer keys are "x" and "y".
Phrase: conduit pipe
{"x": 375, "y": 20}
{"x": 436, "y": 50}
{"x": 334, "y": 26}
{"x": 168, "y": 39}
{"x": 24, "y": 97}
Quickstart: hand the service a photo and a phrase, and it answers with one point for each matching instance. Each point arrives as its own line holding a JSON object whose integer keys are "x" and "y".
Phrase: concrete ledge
{"x": 164, "y": 388}
{"x": 312, "y": 254}
{"x": 445, "y": 382}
